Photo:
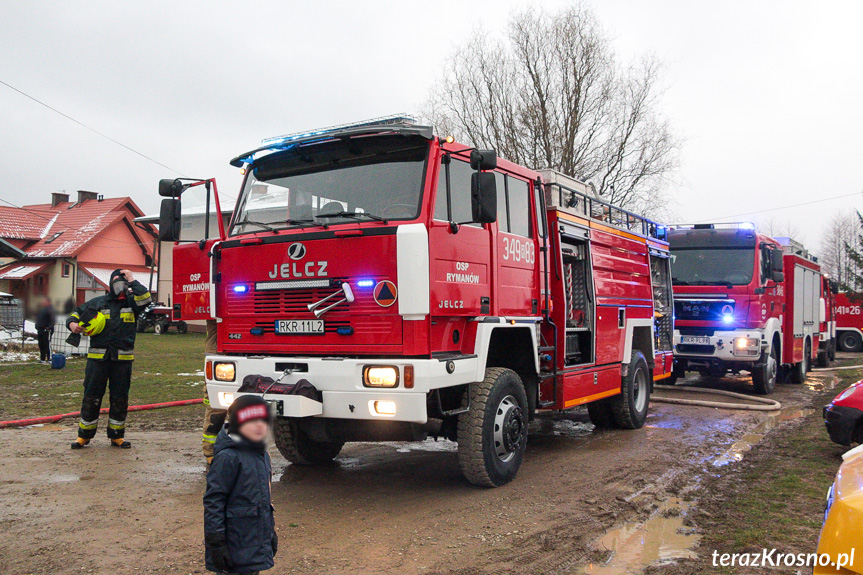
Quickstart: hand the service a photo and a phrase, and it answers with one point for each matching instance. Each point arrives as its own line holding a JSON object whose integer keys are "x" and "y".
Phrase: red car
{"x": 844, "y": 416}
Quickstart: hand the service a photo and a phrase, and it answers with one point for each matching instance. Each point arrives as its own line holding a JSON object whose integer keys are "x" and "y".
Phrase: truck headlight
{"x": 225, "y": 371}
{"x": 380, "y": 376}
{"x": 747, "y": 346}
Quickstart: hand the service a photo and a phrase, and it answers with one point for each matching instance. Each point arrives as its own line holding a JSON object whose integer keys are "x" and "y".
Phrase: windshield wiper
{"x": 266, "y": 226}
{"x": 353, "y": 215}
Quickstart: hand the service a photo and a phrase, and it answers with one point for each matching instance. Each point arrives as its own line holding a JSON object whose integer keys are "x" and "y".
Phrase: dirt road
{"x": 383, "y": 508}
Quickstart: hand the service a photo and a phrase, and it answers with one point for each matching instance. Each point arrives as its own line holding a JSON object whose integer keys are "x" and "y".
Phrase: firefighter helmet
{"x": 95, "y": 325}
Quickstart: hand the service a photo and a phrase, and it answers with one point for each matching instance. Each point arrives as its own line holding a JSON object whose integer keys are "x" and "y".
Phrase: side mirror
{"x": 169, "y": 220}
{"x": 483, "y": 197}
{"x": 778, "y": 277}
{"x": 170, "y": 188}
{"x": 482, "y": 160}
{"x": 776, "y": 261}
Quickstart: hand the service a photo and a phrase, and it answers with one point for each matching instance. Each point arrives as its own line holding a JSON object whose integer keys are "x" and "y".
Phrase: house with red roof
{"x": 67, "y": 249}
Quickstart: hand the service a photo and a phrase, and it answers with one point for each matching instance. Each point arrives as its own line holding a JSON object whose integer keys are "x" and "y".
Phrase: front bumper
{"x": 340, "y": 381}
{"x": 841, "y": 422}
{"x": 721, "y": 346}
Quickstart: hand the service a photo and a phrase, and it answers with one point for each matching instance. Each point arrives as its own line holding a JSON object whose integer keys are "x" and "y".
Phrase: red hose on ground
{"x": 56, "y": 418}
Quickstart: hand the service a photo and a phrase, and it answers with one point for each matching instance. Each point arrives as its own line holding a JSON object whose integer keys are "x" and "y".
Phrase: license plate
{"x": 299, "y": 326}
{"x": 699, "y": 339}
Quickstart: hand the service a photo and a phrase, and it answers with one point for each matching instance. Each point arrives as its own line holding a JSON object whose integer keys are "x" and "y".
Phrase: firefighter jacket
{"x": 117, "y": 340}
{"x": 237, "y": 503}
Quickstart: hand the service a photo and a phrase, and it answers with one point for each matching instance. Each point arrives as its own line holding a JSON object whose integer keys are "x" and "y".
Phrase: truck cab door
{"x": 461, "y": 273}
{"x": 516, "y": 248}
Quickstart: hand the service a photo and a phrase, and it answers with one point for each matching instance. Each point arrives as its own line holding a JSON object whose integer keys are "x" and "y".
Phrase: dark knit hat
{"x": 246, "y": 408}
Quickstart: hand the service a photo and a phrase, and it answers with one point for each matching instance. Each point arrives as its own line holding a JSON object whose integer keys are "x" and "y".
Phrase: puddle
{"x": 745, "y": 443}
{"x": 660, "y": 540}
{"x": 46, "y": 427}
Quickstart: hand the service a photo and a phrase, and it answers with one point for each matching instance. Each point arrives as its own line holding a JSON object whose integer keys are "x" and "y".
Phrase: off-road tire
{"x": 832, "y": 352}
{"x": 764, "y": 377}
{"x": 500, "y": 394}
{"x": 182, "y": 327}
{"x": 823, "y": 359}
{"x": 850, "y": 341}
{"x": 629, "y": 409}
{"x": 298, "y": 448}
{"x": 600, "y": 414}
{"x": 801, "y": 368}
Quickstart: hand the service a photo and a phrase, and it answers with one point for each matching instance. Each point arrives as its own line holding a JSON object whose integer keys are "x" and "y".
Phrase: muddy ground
{"x": 601, "y": 502}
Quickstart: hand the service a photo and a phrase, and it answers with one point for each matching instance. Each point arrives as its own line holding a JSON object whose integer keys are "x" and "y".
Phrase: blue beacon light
{"x": 365, "y": 283}
{"x": 241, "y": 288}
{"x": 728, "y": 318}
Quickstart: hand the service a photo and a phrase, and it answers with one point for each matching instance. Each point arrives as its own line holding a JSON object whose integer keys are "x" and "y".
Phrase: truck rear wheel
{"x": 629, "y": 409}
{"x": 182, "y": 327}
{"x": 764, "y": 376}
{"x": 492, "y": 433}
{"x": 298, "y": 448}
{"x": 800, "y": 369}
{"x": 850, "y": 341}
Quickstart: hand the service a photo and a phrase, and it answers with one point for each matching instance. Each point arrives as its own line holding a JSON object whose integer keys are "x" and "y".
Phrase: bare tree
{"x": 552, "y": 95}
{"x": 778, "y": 228}
{"x": 841, "y": 231}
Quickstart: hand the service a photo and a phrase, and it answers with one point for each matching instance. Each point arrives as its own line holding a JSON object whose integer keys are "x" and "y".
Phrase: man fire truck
{"x": 743, "y": 301}
{"x": 849, "y": 323}
{"x": 379, "y": 283}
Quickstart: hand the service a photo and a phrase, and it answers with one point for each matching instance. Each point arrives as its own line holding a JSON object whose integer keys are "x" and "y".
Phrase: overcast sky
{"x": 767, "y": 95}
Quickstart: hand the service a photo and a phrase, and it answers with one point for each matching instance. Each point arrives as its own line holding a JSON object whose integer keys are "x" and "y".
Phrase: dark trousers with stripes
{"x": 117, "y": 377}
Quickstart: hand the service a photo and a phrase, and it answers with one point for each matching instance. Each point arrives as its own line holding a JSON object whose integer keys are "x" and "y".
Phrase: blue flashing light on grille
{"x": 348, "y": 330}
{"x": 257, "y": 331}
{"x": 365, "y": 283}
{"x": 747, "y": 226}
{"x": 241, "y": 288}
{"x": 728, "y": 318}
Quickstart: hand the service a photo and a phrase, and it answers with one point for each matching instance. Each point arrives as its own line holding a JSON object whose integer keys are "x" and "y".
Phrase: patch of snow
{"x": 196, "y": 374}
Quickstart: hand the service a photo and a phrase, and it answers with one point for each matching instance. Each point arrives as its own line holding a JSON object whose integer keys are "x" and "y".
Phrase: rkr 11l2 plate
{"x": 698, "y": 339}
{"x": 299, "y": 326}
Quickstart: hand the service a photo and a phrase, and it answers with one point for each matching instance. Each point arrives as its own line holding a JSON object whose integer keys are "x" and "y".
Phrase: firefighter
{"x": 111, "y": 322}
{"x": 214, "y": 419}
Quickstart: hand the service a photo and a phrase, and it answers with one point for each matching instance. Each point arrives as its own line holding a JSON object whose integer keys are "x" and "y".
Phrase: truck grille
{"x": 703, "y": 310}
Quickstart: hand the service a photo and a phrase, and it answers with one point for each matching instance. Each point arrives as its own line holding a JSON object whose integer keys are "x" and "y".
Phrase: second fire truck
{"x": 744, "y": 301}
{"x": 379, "y": 282}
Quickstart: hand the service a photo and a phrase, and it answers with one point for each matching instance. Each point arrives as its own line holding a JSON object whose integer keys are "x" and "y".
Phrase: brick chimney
{"x": 58, "y": 198}
{"x": 84, "y": 195}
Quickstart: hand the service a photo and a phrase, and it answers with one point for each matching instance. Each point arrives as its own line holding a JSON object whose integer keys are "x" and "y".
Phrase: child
{"x": 239, "y": 528}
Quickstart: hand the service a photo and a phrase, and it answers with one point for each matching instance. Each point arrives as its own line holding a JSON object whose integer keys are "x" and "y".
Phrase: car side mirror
{"x": 778, "y": 277}
{"x": 170, "y": 188}
{"x": 483, "y": 197}
{"x": 169, "y": 219}
{"x": 482, "y": 160}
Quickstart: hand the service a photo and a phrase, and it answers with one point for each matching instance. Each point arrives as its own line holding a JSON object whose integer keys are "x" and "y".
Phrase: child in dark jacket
{"x": 239, "y": 528}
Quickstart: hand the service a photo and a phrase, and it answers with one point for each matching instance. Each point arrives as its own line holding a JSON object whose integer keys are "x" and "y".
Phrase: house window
{"x": 67, "y": 269}
{"x": 40, "y": 284}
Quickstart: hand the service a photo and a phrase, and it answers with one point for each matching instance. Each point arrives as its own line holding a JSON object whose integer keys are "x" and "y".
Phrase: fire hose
{"x": 56, "y": 418}
{"x": 763, "y": 404}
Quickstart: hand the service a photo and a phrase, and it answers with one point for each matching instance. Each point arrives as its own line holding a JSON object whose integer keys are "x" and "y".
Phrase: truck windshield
{"x": 712, "y": 266}
{"x": 355, "y": 180}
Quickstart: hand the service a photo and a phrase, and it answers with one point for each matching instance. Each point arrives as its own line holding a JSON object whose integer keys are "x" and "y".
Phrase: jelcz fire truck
{"x": 377, "y": 282}
{"x": 743, "y": 301}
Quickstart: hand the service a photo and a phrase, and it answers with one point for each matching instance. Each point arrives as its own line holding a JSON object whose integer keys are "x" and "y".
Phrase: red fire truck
{"x": 827, "y": 325}
{"x": 849, "y": 324}
{"x": 377, "y": 282}
{"x": 743, "y": 301}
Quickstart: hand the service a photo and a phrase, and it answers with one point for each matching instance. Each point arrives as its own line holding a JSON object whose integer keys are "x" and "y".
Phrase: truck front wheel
{"x": 629, "y": 409}
{"x": 492, "y": 433}
{"x": 764, "y": 375}
{"x": 299, "y": 449}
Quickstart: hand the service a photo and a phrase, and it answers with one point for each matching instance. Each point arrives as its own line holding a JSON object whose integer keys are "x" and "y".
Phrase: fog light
{"x": 380, "y": 376}
{"x": 225, "y": 371}
{"x": 382, "y": 408}
{"x": 226, "y": 398}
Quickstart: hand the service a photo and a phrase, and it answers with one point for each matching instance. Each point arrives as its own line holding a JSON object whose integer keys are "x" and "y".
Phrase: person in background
{"x": 111, "y": 321}
{"x": 214, "y": 419}
{"x": 239, "y": 529}
{"x": 45, "y": 319}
